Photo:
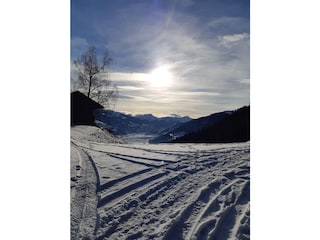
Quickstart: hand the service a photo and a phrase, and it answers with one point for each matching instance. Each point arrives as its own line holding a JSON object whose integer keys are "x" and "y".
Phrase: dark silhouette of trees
{"x": 93, "y": 77}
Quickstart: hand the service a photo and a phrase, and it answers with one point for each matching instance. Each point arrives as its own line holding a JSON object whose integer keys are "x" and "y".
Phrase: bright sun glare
{"x": 160, "y": 77}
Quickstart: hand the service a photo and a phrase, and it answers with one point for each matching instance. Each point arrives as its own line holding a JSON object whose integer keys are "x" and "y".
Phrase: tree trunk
{"x": 89, "y": 90}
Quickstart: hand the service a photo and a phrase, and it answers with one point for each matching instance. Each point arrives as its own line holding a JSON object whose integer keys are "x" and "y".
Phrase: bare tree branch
{"x": 93, "y": 77}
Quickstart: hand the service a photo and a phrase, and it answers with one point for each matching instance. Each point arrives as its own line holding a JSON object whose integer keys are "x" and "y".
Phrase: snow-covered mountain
{"x": 124, "y": 124}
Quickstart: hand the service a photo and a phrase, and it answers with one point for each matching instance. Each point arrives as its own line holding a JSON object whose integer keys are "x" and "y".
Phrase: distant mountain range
{"x": 123, "y": 124}
{"x": 191, "y": 126}
{"x": 227, "y": 126}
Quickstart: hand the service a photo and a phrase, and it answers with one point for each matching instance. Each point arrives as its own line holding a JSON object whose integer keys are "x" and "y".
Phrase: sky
{"x": 185, "y": 57}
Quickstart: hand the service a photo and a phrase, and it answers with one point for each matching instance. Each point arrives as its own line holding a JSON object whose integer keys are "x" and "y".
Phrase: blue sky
{"x": 198, "y": 50}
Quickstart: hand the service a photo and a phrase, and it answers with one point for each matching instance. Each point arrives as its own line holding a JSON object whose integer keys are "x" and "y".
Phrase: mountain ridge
{"x": 123, "y": 124}
{"x": 234, "y": 127}
{"x": 225, "y": 126}
{"x": 191, "y": 126}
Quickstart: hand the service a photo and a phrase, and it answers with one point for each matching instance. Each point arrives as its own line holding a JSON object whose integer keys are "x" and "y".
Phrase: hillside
{"x": 84, "y": 133}
{"x": 232, "y": 128}
{"x": 190, "y": 126}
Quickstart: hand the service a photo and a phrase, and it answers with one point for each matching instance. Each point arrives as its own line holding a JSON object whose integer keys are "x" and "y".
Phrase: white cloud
{"x": 229, "y": 40}
{"x": 201, "y": 94}
{"x": 124, "y": 76}
{"x": 130, "y": 88}
{"x": 234, "y": 37}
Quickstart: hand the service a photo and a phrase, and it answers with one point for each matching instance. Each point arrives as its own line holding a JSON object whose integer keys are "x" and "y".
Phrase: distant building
{"x": 82, "y": 109}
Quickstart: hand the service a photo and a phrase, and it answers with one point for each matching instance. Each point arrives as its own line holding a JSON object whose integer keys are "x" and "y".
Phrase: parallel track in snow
{"x": 83, "y": 196}
{"x": 179, "y": 194}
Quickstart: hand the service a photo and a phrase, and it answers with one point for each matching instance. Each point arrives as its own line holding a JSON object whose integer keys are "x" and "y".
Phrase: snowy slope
{"x": 85, "y": 133}
{"x": 84, "y": 180}
{"x": 167, "y": 191}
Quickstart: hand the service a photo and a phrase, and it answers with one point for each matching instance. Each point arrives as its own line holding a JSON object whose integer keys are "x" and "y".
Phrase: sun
{"x": 160, "y": 77}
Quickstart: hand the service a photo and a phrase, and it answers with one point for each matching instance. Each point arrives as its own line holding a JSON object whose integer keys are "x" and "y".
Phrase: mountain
{"x": 124, "y": 124}
{"x": 234, "y": 127}
{"x": 190, "y": 126}
{"x": 147, "y": 117}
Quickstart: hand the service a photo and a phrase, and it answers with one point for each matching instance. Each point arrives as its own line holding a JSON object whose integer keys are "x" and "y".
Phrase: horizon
{"x": 180, "y": 57}
{"x": 173, "y": 114}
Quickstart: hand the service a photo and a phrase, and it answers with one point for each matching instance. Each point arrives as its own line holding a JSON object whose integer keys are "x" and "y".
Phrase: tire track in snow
{"x": 226, "y": 224}
{"x": 162, "y": 201}
{"x": 84, "y": 202}
{"x": 108, "y": 198}
{"x": 152, "y": 192}
{"x": 122, "y": 179}
{"x": 195, "y": 210}
{"x": 164, "y": 152}
{"x": 162, "y": 188}
{"x": 241, "y": 227}
{"x": 134, "y": 159}
{"x": 125, "y": 156}
{"x": 121, "y": 157}
{"x": 209, "y": 208}
{"x": 136, "y": 204}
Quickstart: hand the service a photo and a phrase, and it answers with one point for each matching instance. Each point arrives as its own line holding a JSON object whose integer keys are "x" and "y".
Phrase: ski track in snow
{"x": 171, "y": 191}
{"x": 83, "y": 195}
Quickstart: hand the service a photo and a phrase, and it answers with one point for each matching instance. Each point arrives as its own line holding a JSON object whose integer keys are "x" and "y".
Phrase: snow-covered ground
{"x": 161, "y": 191}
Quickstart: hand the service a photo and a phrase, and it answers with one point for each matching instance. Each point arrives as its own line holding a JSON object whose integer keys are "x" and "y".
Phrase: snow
{"x": 83, "y": 195}
{"x": 158, "y": 191}
{"x": 138, "y": 137}
{"x": 93, "y": 134}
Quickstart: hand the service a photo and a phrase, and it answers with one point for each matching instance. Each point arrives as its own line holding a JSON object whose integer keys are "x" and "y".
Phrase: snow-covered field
{"x": 163, "y": 191}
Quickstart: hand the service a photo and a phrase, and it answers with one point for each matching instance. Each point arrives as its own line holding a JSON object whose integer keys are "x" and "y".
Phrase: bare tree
{"x": 93, "y": 77}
